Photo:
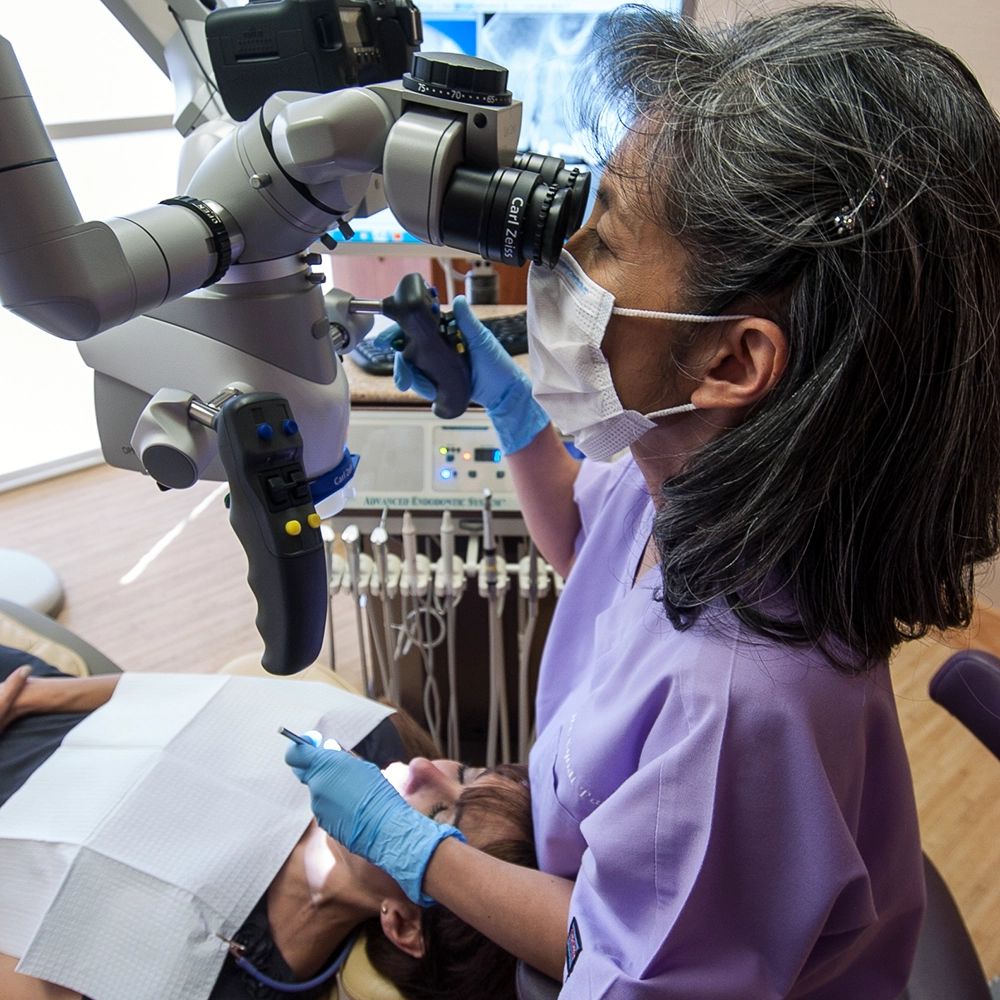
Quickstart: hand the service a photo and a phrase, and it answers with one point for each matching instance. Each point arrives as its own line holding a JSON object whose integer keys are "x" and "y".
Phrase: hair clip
{"x": 845, "y": 222}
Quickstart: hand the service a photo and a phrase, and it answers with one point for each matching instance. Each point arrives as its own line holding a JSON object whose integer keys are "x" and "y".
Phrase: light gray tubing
{"x": 491, "y": 731}
{"x": 376, "y": 641}
{"x": 454, "y": 739}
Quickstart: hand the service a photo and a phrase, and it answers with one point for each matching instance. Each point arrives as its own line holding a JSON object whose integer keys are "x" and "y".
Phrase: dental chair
{"x": 35, "y": 633}
{"x": 946, "y": 966}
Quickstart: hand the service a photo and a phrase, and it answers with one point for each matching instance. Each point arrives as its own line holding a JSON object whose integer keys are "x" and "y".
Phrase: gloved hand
{"x": 354, "y": 803}
{"x": 498, "y": 384}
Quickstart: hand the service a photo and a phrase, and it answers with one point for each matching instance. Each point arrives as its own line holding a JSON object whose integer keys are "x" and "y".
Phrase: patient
{"x": 322, "y": 892}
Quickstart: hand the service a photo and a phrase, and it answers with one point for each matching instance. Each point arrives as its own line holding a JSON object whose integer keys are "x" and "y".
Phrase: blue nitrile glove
{"x": 498, "y": 384}
{"x": 354, "y": 803}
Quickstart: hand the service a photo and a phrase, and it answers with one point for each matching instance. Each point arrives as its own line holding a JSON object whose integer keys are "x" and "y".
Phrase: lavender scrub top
{"x": 738, "y": 815}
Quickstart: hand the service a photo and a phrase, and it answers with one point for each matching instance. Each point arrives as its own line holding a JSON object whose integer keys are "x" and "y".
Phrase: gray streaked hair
{"x": 837, "y": 172}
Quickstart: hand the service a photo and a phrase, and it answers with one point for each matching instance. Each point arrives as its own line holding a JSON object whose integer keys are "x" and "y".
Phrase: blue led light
{"x": 446, "y": 473}
{"x": 496, "y": 455}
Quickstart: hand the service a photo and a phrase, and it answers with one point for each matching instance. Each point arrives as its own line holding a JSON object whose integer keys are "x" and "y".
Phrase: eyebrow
{"x": 604, "y": 196}
{"x": 461, "y": 773}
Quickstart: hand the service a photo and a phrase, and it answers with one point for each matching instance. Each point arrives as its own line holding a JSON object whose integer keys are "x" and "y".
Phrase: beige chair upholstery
{"x": 17, "y": 635}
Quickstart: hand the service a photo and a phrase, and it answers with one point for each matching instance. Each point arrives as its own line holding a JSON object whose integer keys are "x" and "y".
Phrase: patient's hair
{"x": 459, "y": 963}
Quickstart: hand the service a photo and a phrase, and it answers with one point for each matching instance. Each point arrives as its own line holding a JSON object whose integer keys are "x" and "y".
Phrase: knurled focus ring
{"x": 543, "y": 218}
{"x": 220, "y": 235}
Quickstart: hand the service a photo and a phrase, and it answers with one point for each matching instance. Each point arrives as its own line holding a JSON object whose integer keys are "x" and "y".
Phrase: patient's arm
{"x": 42, "y": 695}
{"x": 14, "y": 986}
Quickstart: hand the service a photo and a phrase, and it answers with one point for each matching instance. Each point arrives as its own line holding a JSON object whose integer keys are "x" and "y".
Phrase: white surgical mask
{"x": 568, "y": 314}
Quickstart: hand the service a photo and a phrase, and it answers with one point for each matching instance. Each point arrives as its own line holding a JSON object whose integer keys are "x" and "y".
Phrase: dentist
{"x": 783, "y": 311}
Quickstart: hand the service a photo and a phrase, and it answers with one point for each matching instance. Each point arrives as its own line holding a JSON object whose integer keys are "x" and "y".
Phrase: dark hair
{"x": 459, "y": 963}
{"x": 836, "y": 172}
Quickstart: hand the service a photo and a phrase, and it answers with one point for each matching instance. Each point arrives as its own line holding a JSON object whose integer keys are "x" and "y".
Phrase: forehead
{"x": 483, "y": 822}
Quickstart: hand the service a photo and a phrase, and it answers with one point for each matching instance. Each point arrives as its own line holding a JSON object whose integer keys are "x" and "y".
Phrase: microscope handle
{"x": 271, "y": 510}
{"x": 433, "y": 344}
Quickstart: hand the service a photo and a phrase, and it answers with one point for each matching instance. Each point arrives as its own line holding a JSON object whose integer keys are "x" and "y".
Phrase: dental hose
{"x": 352, "y": 542}
{"x": 431, "y": 696}
{"x": 498, "y": 694}
{"x": 523, "y": 730}
{"x": 236, "y": 950}
{"x": 447, "y": 567}
{"x": 389, "y": 669}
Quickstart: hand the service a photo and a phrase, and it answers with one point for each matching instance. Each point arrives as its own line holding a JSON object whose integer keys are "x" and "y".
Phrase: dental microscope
{"x": 216, "y": 354}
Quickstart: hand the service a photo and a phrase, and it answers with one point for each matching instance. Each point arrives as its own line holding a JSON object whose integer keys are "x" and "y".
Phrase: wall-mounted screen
{"x": 541, "y": 44}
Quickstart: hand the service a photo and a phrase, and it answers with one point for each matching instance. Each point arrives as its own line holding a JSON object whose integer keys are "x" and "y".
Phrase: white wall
{"x": 969, "y": 27}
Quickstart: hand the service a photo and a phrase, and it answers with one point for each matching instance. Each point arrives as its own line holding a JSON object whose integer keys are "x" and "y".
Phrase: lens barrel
{"x": 553, "y": 170}
{"x": 507, "y": 216}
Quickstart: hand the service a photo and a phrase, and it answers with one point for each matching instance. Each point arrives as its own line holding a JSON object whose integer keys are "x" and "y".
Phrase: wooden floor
{"x": 191, "y": 610}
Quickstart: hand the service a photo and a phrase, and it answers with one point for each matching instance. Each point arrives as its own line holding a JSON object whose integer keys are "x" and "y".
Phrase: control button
{"x": 293, "y": 527}
{"x": 313, "y": 520}
{"x": 277, "y": 492}
{"x": 301, "y": 495}
{"x": 290, "y": 427}
{"x": 265, "y": 432}
{"x": 473, "y": 473}
{"x": 500, "y": 473}
{"x": 449, "y": 458}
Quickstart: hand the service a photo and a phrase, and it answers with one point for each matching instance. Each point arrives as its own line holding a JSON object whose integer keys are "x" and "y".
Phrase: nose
{"x": 430, "y": 785}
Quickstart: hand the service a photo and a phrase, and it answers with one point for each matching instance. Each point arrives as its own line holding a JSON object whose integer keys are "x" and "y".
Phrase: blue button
{"x": 435, "y": 308}
{"x": 265, "y": 432}
{"x": 290, "y": 427}
{"x": 434, "y": 291}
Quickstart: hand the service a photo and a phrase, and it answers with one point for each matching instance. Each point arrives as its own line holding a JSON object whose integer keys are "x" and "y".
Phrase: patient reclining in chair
{"x": 322, "y": 893}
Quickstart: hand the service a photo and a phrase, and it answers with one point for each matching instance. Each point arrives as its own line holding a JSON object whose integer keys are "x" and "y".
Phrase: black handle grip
{"x": 433, "y": 344}
{"x": 271, "y": 510}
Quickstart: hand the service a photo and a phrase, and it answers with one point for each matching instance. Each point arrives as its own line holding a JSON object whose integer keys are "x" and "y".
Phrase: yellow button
{"x": 293, "y": 527}
{"x": 313, "y": 520}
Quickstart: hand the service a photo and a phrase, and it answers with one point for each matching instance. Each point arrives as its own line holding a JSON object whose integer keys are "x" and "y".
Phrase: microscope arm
{"x": 74, "y": 278}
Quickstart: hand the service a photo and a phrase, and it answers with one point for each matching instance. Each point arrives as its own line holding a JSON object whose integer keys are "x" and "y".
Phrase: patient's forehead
{"x": 485, "y": 822}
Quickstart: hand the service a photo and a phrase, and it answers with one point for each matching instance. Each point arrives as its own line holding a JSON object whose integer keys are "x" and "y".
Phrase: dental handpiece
{"x": 489, "y": 543}
{"x": 352, "y": 542}
{"x": 379, "y": 541}
{"x": 498, "y": 717}
{"x": 447, "y": 567}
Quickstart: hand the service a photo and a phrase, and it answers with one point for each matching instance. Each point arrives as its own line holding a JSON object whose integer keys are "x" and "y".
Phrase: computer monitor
{"x": 541, "y": 42}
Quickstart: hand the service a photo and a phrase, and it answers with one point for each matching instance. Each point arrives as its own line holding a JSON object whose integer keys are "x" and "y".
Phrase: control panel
{"x": 411, "y": 459}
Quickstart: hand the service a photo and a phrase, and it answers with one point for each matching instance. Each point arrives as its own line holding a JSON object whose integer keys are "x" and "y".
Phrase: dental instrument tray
{"x": 511, "y": 331}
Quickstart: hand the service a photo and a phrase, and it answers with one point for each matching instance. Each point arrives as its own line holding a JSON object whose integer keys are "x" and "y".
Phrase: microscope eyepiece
{"x": 512, "y": 215}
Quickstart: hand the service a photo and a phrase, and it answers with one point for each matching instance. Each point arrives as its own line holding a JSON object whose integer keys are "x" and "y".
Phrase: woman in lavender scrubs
{"x": 785, "y": 305}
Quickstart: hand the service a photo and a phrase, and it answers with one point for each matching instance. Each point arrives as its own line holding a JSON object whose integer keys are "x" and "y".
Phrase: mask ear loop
{"x": 683, "y": 318}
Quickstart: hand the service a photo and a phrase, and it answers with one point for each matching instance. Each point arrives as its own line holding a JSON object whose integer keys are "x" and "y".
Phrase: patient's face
{"x": 433, "y": 787}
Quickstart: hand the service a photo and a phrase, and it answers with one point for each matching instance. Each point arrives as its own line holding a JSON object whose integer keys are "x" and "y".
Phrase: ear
{"x": 743, "y": 365}
{"x": 402, "y": 924}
